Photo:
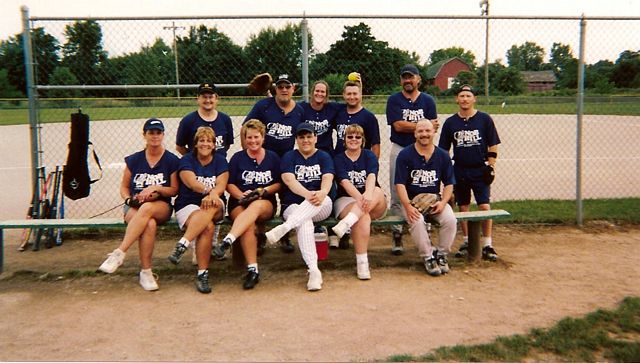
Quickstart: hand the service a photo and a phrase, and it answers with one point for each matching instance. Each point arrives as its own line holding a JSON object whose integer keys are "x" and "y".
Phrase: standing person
{"x": 355, "y": 113}
{"x": 200, "y": 203}
{"x": 149, "y": 181}
{"x": 308, "y": 174}
{"x": 475, "y": 143}
{"x": 321, "y": 113}
{"x": 360, "y": 198}
{"x": 208, "y": 115}
{"x": 422, "y": 168}
{"x": 404, "y": 109}
{"x": 280, "y": 115}
{"x": 254, "y": 169}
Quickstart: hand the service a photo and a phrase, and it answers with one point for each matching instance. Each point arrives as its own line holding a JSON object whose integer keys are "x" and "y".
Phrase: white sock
{"x": 185, "y": 242}
{"x": 465, "y": 240}
{"x": 145, "y": 270}
{"x": 229, "y": 238}
{"x": 486, "y": 241}
{"x": 200, "y": 272}
{"x": 350, "y": 219}
{"x": 362, "y": 258}
{"x": 253, "y": 266}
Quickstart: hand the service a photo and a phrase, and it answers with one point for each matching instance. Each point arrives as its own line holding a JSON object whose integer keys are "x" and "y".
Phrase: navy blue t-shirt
{"x": 143, "y": 175}
{"x": 400, "y": 108}
{"x": 205, "y": 174}
{"x": 470, "y": 139}
{"x": 222, "y": 126}
{"x": 364, "y": 118}
{"x": 423, "y": 176}
{"x": 246, "y": 174}
{"x": 280, "y": 134}
{"x": 355, "y": 171}
{"x": 308, "y": 172}
{"x": 324, "y": 122}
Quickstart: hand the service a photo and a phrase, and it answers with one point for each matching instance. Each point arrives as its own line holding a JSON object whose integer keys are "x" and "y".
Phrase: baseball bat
{"x": 59, "y": 234}
{"x": 33, "y": 211}
{"x": 42, "y": 211}
{"x": 53, "y": 210}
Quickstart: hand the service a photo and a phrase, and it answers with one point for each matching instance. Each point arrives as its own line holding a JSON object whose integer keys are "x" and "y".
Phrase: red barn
{"x": 443, "y": 73}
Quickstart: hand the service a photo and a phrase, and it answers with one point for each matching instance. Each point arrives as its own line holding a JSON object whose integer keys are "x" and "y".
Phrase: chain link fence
{"x": 122, "y": 71}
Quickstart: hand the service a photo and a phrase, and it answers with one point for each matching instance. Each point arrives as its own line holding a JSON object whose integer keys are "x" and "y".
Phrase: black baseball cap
{"x": 409, "y": 68}
{"x": 305, "y": 127}
{"x": 207, "y": 87}
{"x": 283, "y": 78}
{"x": 466, "y": 87}
{"x": 153, "y": 124}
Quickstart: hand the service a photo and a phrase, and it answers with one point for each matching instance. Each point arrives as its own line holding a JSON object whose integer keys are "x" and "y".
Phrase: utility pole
{"x": 484, "y": 11}
{"x": 173, "y": 27}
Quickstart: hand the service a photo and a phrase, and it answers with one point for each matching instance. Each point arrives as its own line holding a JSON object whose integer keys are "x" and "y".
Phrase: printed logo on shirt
{"x": 466, "y": 138}
{"x": 250, "y": 177}
{"x": 279, "y": 131}
{"x": 320, "y": 126}
{"x": 143, "y": 180}
{"x": 340, "y": 130}
{"x": 219, "y": 142}
{"x": 357, "y": 178}
{"x": 308, "y": 173}
{"x": 424, "y": 178}
{"x": 412, "y": 115}
{"x": 208, "y": 181}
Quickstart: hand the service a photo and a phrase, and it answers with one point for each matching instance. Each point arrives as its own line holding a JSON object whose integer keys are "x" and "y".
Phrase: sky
{"x": 10, "y": 16}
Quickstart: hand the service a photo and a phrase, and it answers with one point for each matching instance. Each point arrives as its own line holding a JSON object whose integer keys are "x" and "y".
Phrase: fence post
{"x": 580, "y": 113}
{"x": 304, "y": 29}
{"x": 31, "y": 94}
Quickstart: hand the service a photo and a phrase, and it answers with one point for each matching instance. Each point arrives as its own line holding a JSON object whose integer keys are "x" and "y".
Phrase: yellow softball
{"x": 353, "y": 76}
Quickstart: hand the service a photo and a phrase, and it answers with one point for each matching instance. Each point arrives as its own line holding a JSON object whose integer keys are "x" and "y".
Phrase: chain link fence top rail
{"x": 537, "y": 156}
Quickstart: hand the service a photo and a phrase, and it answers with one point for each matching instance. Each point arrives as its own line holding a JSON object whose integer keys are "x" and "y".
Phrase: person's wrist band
{"x": 492, "y": 154}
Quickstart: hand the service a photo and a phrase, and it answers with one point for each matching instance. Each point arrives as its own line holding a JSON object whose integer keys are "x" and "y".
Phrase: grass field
{"x": 600, "y": 336}
{"x": 115, "y": 109}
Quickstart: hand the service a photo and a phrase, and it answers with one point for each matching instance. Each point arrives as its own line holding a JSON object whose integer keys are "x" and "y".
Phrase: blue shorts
{"x": 467, "y": 180}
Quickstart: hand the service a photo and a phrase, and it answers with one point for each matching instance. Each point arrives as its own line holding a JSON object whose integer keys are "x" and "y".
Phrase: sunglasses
{"x": 357, "y": 137}
{"x": 284, "y": 87}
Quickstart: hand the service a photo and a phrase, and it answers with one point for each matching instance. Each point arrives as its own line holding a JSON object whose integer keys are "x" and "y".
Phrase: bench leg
{"x": 1, "y": 250}
{"x": 475, "y": 250}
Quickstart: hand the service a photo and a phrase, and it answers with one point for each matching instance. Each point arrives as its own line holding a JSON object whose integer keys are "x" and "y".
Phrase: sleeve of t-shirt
{"x": 448, "y": 176}
{"x": 372, "y": 163}
{"x": 326, "y": 164}
{"x": 373, "y": 130}
{"x": 432, "y": 113}
{"x": 341, "y": 170}
{"x": 492, "y": 133}
{"x": 181, "y": 135}
{"x": 401, "y": 170}
{"x": 221, "y": 165}
{"x": 186, "y": 164}
{"x": 445, "y": 137}
{"x": 287, "y": 163}
{"x": 233, "y": 169}
{"x": 394, "y": 113}
{"x": 276, "y": 167}
{"x": 229, "y": 140}
{"x": 256, "y": 112}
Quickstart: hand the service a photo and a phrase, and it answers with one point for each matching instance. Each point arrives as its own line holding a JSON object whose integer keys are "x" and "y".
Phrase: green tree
{"x": 509, "y": 81}
{"x": 83, "y": 52}
{"x": 447, "y": 53}
{"x": 207, "y": 54}
{"x": 599, "y": 74}
{"x": 626, "y": 72}
{"x": 465, "y": 77}
{"x": 526, "y": 57}
{"x": 63, "y": 76}
{"x": 45, "y": 53}
{"x": 564, "y": 66}
{"x": 277, "y": 51}
{"x": 7, "y": 90}
{"x": 360, "y": 51}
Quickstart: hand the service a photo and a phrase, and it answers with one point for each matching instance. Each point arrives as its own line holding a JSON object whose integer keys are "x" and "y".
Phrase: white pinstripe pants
{"x": 301, "y": 217}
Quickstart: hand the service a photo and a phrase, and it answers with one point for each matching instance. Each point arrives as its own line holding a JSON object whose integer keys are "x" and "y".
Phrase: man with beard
{"x": 421, "y": 168}
{"x": 404, "y": 109}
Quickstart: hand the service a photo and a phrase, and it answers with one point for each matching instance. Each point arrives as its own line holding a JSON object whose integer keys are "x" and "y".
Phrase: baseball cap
{"x": 153, "y": 124}
{"x": 207, "y": 87}
{"x": 305, "y": 127}
{"x": 465, "y": 87}
{"x": 283, "y": 78}
{"x": 409, "y": 68}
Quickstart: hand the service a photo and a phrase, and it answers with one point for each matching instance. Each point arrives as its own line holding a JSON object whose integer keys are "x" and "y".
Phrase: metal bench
{"x": 474, "y": 218}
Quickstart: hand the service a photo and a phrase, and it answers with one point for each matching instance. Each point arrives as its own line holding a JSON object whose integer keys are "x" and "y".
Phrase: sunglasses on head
{"x": 357, "y": 137}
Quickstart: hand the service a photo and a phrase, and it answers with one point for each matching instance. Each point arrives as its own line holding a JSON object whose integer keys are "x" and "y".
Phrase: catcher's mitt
{"x": 261, "y": 84}
{"x": 424, "y": 201}
{"x": 255, "y": 194}
{"x": 132, "y": 202}
{"x": 488, "y": 174}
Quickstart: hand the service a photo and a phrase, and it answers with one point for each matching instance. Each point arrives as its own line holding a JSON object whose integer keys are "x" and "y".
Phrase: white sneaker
{"x": 341, "y": 228}
{"x": 277, "y": 232}
{"x": 334, "y": 241}
{"x": 315, "y": 280}
{"x": 148, "y": 280}
{"x": 363, "y": 271}
{"x": 111, "y": 264}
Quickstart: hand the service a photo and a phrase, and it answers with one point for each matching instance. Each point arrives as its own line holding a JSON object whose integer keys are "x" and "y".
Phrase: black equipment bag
{"x": 76, "y": 182}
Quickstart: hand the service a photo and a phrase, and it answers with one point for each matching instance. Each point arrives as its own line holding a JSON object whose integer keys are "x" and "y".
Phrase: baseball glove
{"x": 132, "y": 202}
{"x": 488, "y": 174}
{"x": 424, "y": 201}
{"x": 255, "y": 194}
{"x": 261, "y": 84}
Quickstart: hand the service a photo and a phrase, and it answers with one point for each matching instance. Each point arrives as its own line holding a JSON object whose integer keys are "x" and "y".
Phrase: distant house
{"x": 443, "y": 73}
{"x": 539, "y": 80}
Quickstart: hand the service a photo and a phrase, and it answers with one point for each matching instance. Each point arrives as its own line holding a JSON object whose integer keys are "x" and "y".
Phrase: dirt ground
{"x": 53, "y": 307}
